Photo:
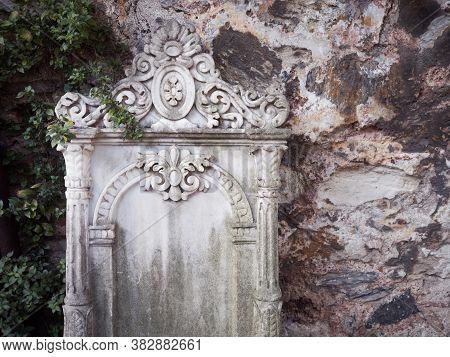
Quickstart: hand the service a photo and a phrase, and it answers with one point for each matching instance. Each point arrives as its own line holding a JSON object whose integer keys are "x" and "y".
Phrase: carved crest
{"x": 172, "y": 85}
{"x": 175, "y": 173}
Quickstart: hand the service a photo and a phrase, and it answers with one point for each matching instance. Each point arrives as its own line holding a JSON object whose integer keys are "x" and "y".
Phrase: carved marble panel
{"x": 175, "y": 234}
{"x": 170, "y": 79}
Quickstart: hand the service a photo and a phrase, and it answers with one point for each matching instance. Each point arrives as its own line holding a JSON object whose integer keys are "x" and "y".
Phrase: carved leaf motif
{"x": 153, "y": 172}
{"x": 267, "y": 318}
{"x": 204, "y": 69}
{"x": 83, "y": 111}
{"x": 174, "y": 42}
{"x": 171, "y": 75}
{"x": 176, "y": 173}
{"x": 77, "y": 324}
{"x": 218, "y": 100}
{"x": 135, "y": 96}
{"x": 173, "y": 90}
{"x": 272, "y": 109}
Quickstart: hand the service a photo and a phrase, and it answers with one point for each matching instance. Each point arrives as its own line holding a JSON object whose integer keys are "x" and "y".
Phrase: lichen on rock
{"x": 366, "y": 173}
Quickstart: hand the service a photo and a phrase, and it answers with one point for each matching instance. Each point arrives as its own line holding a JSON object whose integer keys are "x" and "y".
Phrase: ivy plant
{"x": 63, "y": 37}
{"x": 28, "y": 284}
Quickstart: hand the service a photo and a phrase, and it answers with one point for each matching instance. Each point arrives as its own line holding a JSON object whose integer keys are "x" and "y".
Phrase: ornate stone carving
{"x": 83, "y": 111}
{"x": 78, "y": 163}
{"x": 220, "y": 102}
{"x": 172, "y": 90}
{"x": 77, "y": 321}
{"x": 176, "y": 173}
{"x": 268, "y": 293}
{"x": 171, "y": 76}
{"x": 177, "y": 94}
{"x": 236, "y": 195}
{"x": 174, "y": 42}
{"x": 177, "y": 102}
{"x": 77, "y": 301}
{"x": 267, "y": 321}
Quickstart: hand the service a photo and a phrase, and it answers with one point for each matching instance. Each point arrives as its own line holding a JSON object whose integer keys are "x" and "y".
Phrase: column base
{"x": 267, "y": 318}
{"x": 77, "y": 320}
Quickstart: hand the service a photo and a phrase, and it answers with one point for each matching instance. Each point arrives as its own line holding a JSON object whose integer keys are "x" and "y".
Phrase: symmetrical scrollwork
{"x": 172, "y": 85}
{"x": 169, "y": 77}
{"x": 83, "y": 111}
{"x": 176, "y": 174}
{"x": 176, "y": 171}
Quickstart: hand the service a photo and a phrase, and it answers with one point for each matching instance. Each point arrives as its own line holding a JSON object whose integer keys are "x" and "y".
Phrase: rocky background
{"x": 364, "y": 245}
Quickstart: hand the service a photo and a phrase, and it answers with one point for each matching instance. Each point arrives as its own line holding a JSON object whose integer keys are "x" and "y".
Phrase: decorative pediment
{"x": 172, "y": 85}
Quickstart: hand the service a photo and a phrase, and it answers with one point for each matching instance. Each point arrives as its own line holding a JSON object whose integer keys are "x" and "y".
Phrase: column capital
{"x": 78, "y": 162}
{"x": 268, "y": 160}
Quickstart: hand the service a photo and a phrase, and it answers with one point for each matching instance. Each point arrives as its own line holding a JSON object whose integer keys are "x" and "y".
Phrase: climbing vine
{"x": 63, "y": 39}
{"x": 118, "y": 113}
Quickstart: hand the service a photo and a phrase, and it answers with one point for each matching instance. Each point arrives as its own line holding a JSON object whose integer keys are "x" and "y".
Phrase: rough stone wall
{"x": 364, "y": 246}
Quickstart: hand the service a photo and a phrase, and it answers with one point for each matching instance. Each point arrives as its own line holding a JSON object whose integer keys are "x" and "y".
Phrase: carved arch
{"x": 134, "y": 173}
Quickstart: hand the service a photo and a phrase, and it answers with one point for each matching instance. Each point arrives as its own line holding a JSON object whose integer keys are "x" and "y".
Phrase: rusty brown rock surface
{"x": 364, "y": 245}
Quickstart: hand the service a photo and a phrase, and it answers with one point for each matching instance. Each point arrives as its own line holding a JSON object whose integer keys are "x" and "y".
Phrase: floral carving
{"x": 169, "y": 77}
{"x": 267, "y": 319}
{"x": 221, "y": 103}
{"x": 77, "y": 324}
{"x": 133, "y": 173}
{"x": 173, "y": 90}
{"x": 82, "y": 110}
{"x": 176, "y": 173}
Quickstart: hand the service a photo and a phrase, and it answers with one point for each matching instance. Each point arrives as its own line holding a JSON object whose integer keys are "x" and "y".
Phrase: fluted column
{"x": 77, "y": 303}
{"x": 267, "y": 293}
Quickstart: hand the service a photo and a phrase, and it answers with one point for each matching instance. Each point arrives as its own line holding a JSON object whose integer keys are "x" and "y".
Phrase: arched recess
{"x": 131, "y": 175}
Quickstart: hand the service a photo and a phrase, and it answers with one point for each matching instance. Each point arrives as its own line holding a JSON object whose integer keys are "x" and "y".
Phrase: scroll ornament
{"x": 175, "y": 173}
{"x": 171, "y": 78}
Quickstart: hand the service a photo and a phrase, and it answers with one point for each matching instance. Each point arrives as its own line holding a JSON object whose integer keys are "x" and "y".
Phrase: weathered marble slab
{"x": 174, "y": 234}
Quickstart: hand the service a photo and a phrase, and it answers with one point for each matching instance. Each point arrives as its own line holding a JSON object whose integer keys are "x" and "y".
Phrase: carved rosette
{"x": 170, "y": 76}
{"x": 175, "y": 173}
{"x": 77, "y": 301}
{"x": 173, "y": 91}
